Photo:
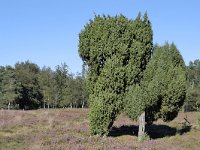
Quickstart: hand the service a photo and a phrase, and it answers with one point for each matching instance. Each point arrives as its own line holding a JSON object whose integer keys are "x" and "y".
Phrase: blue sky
{"x": 46, "y": 31}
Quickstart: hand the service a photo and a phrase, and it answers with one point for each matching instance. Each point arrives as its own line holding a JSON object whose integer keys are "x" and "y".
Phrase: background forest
{"x": 27, "y": 86}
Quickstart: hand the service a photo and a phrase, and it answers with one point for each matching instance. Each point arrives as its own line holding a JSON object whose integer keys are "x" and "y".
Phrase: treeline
{"x": 192, "y": 102}
{"x": 27, "y": 86}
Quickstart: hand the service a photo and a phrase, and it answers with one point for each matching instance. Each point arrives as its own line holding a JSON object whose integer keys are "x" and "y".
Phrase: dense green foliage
{"x": 26, "y": 86}
{"x": 27, "y": 77}
{"x": 162, "y": 90}
{"x": 125, "y": 72}
{"x": 8, "y": 86}
{"x": 116, "y": 51}
{"x": 193, "y": 86}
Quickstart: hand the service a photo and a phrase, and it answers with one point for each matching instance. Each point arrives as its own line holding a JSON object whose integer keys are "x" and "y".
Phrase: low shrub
{"x": 143, "y": 138}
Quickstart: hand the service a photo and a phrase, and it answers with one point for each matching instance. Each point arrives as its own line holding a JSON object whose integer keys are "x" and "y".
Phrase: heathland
{"x": 68, "y": 129}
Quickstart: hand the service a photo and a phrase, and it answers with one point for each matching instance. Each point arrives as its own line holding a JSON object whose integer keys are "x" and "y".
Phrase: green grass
{"x": 68, "y": 129}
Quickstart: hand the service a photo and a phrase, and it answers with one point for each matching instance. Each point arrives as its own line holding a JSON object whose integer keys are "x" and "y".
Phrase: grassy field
{"x": 68, "y": 129}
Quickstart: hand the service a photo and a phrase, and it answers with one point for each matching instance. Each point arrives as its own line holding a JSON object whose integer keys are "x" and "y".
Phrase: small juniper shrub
{"x": 185, "y": 127}
{"x": 143, "y": 138}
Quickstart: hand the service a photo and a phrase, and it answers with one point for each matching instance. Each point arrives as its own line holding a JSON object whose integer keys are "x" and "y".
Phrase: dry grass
{"x": 68, "y": 129}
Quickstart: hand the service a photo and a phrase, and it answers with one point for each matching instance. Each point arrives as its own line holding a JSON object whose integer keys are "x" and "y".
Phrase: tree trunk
{"x": 141, "y": 125}
{"x": 44, "y": 104}
{"x": 48, "y": 102}
{"x": 83, "y": 103}
{"x": 9, "y": 106}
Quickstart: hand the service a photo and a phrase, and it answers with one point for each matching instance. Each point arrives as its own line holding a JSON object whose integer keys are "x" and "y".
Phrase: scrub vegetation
{"x": 56, "y": 129}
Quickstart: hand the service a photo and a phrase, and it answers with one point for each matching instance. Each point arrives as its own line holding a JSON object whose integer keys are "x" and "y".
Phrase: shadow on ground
{"x": 160, "y": 131}
{"x": 155, "y": 131}
{"x": 124, "y": 130}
